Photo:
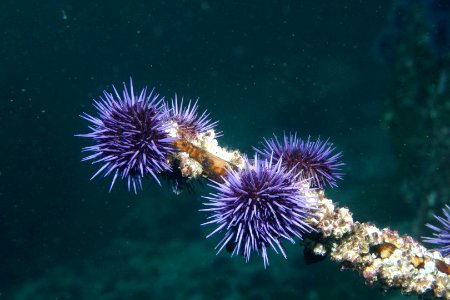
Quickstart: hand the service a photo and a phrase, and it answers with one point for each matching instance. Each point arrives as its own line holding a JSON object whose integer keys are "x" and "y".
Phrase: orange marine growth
{"x": 214, "y": 167}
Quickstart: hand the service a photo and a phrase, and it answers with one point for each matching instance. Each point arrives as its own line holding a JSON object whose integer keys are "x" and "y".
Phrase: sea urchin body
{"x": 130, "y": 136}
{"x": 257, "y": 207}
{"x": 311, "y": 159}
{"x": 189, "y": 122}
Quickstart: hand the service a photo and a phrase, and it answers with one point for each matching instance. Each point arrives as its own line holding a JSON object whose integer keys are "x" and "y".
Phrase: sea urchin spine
{"x": 441, "y": 235}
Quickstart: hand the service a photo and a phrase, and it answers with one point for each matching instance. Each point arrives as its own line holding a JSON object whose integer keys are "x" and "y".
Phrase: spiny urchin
{"x": 316, "y": 160}
{"x": 257, "y": 207}
{"x": 441, "y": 235}
{"x": 130, "y": 136}
{"x": 189, "y": 122}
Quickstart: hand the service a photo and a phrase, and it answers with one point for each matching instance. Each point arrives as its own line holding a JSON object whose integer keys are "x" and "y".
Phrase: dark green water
{"x": 258, "y": 66}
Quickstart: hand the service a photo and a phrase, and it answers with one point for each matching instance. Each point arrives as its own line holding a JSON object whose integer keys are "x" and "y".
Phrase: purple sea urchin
{"x": 130, "y": 136}
{"x": 257, "y": 207}
{"x": 312, "y": 159}
{"x": 186, "y": 117}
{"x": 441, "y": 236}
{"x": 189, "y": 124}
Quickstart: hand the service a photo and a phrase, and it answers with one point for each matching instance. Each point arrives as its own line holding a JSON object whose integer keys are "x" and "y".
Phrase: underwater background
{"x": 371, "y": 75}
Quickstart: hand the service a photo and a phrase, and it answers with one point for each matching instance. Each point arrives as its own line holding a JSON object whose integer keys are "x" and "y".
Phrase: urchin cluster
{"x": 189, "y": 122}
{"x": 441, "y": 235}
{"x": 257, "y": 207}
{"x": 316, "y": 160}
{"x": 130, "y": 136}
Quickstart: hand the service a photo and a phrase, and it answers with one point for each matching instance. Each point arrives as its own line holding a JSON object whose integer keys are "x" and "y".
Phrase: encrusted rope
{"x": 381, "y": 256}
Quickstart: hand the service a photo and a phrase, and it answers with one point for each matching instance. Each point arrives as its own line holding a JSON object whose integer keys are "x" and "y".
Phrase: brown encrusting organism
{"x": 213, "y": 166}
